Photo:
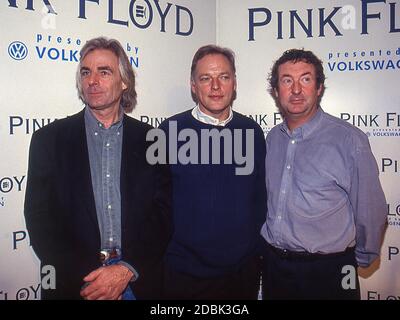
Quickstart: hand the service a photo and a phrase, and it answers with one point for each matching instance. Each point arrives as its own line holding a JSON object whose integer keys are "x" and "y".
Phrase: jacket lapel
{"x": 80, "y": 169}
{"x": 130, "y": 164}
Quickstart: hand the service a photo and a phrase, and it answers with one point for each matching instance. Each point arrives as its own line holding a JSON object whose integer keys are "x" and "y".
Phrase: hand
{"x": 106, "y": 283}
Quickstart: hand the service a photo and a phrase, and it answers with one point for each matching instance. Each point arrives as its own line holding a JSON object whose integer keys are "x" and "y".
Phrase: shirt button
{"x": 118, "y": 133}
{"x": 288, "y": 167}
{"x": 283, "y": 191}
{"x": 95, "y": 133}
{"x": 108, "y": 144}
{"x": 109, "y": 206}
{"x": 107, "y": 175}
{"x": 293, "y": 141}
{"x": 279, "y": 217}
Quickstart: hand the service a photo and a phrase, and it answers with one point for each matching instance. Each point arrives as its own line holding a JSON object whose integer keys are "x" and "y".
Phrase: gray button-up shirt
{"x": 324, "y": 193}
{"x": 104, "y": 146}
{"x": 105, "y": 149}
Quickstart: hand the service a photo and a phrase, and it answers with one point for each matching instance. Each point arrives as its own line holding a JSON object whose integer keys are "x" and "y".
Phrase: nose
{"x": 296, "y": 87}
{"x": 215, "y": 85}
{"x": 93, "y": 79}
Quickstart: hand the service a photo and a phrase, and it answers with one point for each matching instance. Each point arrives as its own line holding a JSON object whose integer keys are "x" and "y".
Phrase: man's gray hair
{"x": 128, "y": 100}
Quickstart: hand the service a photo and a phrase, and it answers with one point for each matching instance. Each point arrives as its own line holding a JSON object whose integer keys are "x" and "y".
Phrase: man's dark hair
{"x": 296, "y": 55}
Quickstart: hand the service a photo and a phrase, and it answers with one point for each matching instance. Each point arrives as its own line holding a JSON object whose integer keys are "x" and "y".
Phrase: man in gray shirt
{"x": 95, "y": 209}
{"x": 326, "y": 208}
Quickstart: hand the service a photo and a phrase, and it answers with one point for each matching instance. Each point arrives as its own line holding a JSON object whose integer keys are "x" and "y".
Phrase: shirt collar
{"x": 306, "y": 129}
{"x": 93, "y": 124}
{"x": 207, "y": 119}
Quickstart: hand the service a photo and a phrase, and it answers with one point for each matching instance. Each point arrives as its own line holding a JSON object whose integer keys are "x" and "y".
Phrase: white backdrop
{"x": 362, "y": 84}
{"x": 41, "y": 87}
{"x": 39, "y": 52}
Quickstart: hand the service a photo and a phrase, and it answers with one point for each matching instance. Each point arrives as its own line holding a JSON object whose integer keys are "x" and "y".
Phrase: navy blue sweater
{"x": 217, "y": 214}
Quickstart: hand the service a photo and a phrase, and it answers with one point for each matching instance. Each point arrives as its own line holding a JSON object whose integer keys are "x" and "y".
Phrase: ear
{"x": 193, "y": 86}
{"x": 276, "y": 92}
{"x": 124, "y": 86}
{"x": 320, "y": 89}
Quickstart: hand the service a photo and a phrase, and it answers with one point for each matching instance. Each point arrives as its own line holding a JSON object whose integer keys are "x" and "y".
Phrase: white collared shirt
{"x": 205, "y": 118}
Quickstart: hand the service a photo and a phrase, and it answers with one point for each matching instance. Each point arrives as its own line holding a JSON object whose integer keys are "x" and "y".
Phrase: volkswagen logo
{"x": 17, "y": 50}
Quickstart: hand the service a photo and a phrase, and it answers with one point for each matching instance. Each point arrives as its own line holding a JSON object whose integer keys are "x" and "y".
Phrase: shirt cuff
{"x": 132, "y": 269}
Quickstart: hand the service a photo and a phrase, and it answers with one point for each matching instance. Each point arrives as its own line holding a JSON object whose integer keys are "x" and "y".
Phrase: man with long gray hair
{"x": 95, "y": 209}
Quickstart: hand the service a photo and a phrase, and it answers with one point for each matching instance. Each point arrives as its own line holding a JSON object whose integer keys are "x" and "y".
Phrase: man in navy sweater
{"x": 219, "y": 198}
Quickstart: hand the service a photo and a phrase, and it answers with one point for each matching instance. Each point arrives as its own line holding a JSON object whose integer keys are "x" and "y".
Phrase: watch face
{"x": 108, "y": 254}
{"x": 104, "y": 255}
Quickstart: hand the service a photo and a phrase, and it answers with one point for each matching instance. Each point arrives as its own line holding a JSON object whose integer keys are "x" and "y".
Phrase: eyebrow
{"x": 209, "y": 73}
{"x": 101, "y": 68}
{"x": 289, "y": 75}
{"x": 105, "y": 68}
